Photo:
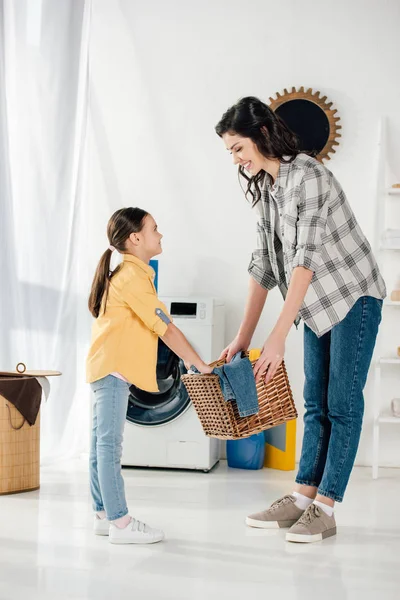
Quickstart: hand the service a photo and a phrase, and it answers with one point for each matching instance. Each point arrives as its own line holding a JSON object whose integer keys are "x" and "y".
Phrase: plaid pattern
{"x": 320, "y": 232}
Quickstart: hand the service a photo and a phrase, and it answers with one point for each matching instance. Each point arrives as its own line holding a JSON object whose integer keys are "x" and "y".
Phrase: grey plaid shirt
{"x": 319, "y": 232}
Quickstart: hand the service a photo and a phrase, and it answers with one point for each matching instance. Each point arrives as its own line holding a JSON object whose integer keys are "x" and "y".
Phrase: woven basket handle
{"x": 10, "y": 421}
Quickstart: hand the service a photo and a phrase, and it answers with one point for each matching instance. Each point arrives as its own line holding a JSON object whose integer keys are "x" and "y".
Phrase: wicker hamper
{"x": 19, "y": 451}
{"x": 19, "y": 441}
{"x": 220, "y": 419}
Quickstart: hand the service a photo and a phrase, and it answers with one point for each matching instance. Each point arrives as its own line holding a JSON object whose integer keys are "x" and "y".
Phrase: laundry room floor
{"x": 48, "y": 550}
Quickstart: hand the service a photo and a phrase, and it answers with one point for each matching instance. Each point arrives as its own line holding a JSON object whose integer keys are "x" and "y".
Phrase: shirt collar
{"x": 139, "y": 263}
{"x": 283, "y": 174}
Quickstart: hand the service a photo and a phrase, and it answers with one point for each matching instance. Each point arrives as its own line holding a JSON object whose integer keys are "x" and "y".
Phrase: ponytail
{"x": 100, "y": 284}
{"x": 121, "y": 224}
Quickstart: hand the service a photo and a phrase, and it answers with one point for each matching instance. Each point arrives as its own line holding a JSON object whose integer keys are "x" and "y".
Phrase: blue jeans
{"x": 237, "y": 384}
{"x": 109, "y": 415}
{"x": 336, "y": 367}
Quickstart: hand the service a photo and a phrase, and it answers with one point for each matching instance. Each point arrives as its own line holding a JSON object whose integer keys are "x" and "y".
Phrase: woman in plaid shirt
{"x": 310, "y": 245}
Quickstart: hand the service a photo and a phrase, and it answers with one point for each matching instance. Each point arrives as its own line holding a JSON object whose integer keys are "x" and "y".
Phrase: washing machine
{"x": 162, "y": 429}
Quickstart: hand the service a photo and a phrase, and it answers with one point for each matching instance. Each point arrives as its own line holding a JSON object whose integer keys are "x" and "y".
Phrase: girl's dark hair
{"x": 122, "y": 223}
{"x": 253, "y": 119}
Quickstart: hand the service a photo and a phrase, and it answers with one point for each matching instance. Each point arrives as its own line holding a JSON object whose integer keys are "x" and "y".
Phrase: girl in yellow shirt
{"x": 129, "y": 321}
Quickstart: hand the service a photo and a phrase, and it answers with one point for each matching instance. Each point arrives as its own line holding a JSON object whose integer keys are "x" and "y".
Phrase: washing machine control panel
{"x": 188, "y": 310}
{"x": 200, "y": 310}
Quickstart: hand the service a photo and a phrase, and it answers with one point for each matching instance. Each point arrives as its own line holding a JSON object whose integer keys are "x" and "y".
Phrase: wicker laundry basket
{"x": 19, "y": 441}
{"x": 19, "y": 451}
{"x": 220, "y": 419}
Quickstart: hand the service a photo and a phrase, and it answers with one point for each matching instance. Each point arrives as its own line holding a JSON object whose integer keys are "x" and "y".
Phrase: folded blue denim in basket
{"x": 238, "y": 384}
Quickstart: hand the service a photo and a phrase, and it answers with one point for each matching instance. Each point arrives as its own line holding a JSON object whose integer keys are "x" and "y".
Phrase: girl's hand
{"x": 206, "y": 369}
{"x": 202, "y": 367}
{"x": 271, "y": 357}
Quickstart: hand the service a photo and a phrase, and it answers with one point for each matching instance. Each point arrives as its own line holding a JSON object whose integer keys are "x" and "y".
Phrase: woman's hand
{"x": 234, "y": 347}
{"x": 271, "y": 357}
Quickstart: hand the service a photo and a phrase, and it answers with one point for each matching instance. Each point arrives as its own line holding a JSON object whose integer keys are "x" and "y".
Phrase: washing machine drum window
{"x": 150, "y": 409}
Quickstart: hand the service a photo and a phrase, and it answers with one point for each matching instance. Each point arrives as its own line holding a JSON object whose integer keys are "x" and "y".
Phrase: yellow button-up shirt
{"x": 125, "y": 334}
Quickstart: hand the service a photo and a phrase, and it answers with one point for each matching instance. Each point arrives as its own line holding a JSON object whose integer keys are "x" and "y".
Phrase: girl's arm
{"x": 176, "y": 341}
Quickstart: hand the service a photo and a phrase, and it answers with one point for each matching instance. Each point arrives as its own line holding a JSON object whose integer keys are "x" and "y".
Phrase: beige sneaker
{"x": 314, "y": 526}
{"x": 281, "y": 513}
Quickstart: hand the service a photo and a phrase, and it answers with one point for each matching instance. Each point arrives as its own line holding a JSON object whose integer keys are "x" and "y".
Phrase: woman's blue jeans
{"x": 336, "y": 367}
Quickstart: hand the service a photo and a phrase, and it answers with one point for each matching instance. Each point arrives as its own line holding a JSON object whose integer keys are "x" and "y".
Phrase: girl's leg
{"x": 98, "y": 505}
{"x": 111, "y": 400}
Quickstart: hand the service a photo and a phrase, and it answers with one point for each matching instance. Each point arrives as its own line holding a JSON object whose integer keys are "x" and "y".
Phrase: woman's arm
{"x": 256, "y": 298}
{"x": 176, "y": 341}
{"x": 254, "y": 305}
{"x": 262, "y": 280}
{"x": 274, "y": 348}
{"x": 313, "y": 210}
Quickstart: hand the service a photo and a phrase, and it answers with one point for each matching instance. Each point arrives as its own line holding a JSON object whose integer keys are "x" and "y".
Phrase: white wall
{"x": 162, "y": 74}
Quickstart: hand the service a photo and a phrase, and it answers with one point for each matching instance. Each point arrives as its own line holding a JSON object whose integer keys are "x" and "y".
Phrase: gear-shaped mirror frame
{"x": 330, "y": 113}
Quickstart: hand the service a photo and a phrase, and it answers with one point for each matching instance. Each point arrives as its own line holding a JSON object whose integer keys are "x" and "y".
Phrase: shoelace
{"x": 310, "y": 514}
{"x": 285, "y": 500}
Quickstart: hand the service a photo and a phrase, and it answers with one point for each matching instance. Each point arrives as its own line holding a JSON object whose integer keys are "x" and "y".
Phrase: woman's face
{"x": 244, "y": 152}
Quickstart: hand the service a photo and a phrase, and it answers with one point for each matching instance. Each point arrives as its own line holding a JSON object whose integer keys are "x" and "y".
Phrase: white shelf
{"x": 389, "y": 360}
{"x": 387, "y": 417}
{"x": 389, "y": 241}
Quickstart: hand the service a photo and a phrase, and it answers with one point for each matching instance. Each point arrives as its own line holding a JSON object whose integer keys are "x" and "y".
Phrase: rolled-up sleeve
{"x": 144, "y": 303}
{"x": 312, "y": 216}
{"x": 260, "y": 267}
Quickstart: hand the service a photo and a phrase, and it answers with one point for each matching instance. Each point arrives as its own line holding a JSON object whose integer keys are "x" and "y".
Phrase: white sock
{"x": 302, "y": 501}
{"x": 327, "y": 509}
{"x": 122, "y": 522}
{"x": 101, "y": 514}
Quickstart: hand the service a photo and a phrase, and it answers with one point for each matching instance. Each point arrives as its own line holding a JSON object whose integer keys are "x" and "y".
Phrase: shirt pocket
{"x": 290, "y": 230}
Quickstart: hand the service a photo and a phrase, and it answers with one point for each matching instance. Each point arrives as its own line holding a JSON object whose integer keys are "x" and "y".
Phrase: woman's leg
{"x": 317, "y": 427}
{"x": 352, "y": 346}
{"x": 286, "y": 511}
{"x": 111, "y": 403}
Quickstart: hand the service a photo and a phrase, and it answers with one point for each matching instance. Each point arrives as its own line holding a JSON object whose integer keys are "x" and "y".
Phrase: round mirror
{"x": 311, "y": 118}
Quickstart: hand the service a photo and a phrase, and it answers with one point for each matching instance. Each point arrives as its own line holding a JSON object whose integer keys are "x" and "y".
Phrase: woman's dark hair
{"x": 251, "y": 118}
{"x": 122, "y": 223}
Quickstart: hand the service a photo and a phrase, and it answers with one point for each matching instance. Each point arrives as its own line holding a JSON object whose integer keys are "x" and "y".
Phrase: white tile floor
{"x": 48, "y": 551}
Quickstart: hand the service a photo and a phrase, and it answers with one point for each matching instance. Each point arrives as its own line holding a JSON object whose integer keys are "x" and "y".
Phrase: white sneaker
{"x": 135, "y": 533}
{"x": 101, "y": 526}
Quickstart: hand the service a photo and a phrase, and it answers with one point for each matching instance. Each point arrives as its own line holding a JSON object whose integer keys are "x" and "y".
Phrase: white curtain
{"x": 43, "y": 110}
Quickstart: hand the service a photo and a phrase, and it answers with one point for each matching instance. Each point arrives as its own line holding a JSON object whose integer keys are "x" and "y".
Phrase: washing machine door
{"x": 151, "y": 409}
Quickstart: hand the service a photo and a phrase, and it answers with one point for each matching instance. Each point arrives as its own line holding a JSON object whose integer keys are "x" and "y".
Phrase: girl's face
{"x": 244, "y": 152}
{"x": 148, "y": 241}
